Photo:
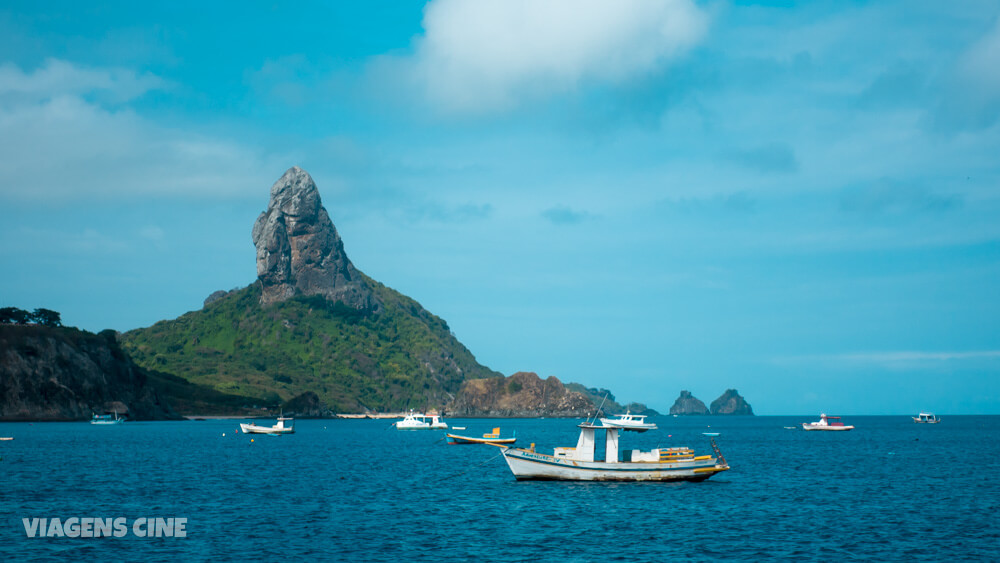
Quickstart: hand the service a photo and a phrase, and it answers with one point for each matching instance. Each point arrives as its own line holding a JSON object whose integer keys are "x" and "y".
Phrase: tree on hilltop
{"x": 47, "y": 317}
{"x": 14, "y": 316}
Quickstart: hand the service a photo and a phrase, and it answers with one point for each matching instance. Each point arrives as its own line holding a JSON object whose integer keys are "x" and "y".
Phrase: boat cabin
{"x": 586, "y": 447}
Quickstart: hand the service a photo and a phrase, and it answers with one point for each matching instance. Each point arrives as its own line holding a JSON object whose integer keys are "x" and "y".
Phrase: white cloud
{"x": 57, "y": 78}
{"x": 971, "y": 98}
{"x": 486, "y": 55}
{"x": 65, "y": 135}
{"x": 903, "y": 358}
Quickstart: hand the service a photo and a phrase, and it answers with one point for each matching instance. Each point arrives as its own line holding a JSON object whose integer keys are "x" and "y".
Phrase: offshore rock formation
{"x": 688, "y": 404}
{"x": 51, "y": 373}
{"x": 731, "y": 403}
{"x": 299, "y": 251}
{"x": 523, "y": 394}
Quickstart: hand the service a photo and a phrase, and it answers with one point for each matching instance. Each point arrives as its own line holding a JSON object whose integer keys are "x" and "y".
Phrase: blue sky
{"x": 796, "y": 200}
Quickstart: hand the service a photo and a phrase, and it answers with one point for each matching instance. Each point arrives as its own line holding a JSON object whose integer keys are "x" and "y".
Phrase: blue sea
{"x": 359, "y": 490}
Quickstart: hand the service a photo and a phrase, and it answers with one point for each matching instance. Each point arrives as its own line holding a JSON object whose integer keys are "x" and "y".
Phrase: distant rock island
{"x": 729, "y": 402}
{"x": 688, "y": 404}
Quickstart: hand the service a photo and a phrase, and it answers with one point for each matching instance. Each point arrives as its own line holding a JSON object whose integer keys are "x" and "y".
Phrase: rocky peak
{"x": 688, "y": 404}
{"x": 299, "y": 251}
{"x": 731, "y": 403}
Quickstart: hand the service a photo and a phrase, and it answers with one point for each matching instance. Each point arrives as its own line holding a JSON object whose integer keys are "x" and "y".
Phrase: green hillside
{"x": 401, "y": 357}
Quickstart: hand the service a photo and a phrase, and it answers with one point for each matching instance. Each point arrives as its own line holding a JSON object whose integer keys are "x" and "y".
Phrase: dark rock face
{"x": 299, "y": 251}
{"x": 306, "y": 405}
{"x": 731, "y": 403}
{"x": 66, "y": 374}
{"x": 688, "y": 404}
{"x": 522, "y": 394}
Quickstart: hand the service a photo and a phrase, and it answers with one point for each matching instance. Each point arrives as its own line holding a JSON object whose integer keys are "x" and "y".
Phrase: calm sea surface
{"x": 358, "y": 490}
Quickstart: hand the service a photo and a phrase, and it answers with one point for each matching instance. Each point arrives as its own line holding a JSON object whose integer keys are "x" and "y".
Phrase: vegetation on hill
{"x": 401, "y": 357}
{"x": 44, "y": 317}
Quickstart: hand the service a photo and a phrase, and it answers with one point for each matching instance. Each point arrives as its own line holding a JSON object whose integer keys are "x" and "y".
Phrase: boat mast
{"x": 599, "y": 408}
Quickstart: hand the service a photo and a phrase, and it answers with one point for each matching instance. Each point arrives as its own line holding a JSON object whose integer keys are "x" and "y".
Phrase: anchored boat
{"x": 107, "y": 419}
{"x": 276, "y": 430}
{"x": 491, "y": 438}
{"x": 629, "y": 421}
{"x": 419, "y": 421}
{"x": 826, "y": 423}
{"x": 926, "y": 418}
{"x": 580, "y": 464}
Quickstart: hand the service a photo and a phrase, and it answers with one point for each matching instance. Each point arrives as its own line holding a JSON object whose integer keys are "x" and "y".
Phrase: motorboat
{"x": 826, "y": 423}
{"x": 277, "y": 429}
{"x": 629, "y": 421}
{"x": 107, "y": 418}
{"x": 926, "y": 418}
{"x": 420, "y": 421}
{"x": 580, "y": 463}
{"x": 491, "y": 438}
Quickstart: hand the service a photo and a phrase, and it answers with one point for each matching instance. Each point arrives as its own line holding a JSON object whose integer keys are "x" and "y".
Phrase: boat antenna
{"x": 599, "y": 408}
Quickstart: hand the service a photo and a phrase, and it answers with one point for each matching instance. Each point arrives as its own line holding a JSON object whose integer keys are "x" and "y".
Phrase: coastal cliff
{"x": 522, "y": 394}
{"x": 51, "y": 374}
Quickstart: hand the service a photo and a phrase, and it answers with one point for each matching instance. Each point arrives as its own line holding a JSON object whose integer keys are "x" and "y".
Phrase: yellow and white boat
{"x": 580, "y": 464}
{"x": 491, "y": 438}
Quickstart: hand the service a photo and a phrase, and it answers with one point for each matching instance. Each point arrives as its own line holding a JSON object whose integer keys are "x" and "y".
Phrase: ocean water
{"x": 359, "y": 490}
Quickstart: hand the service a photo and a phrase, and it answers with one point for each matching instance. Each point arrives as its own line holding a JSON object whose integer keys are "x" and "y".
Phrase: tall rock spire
{"x": 299, "y": 251}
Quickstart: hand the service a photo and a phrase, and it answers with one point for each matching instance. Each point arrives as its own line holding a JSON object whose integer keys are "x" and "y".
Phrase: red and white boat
{"x": 826, "y": 423}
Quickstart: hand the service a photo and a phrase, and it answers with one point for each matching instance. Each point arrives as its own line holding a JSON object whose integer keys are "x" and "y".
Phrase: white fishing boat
{"x": 580, "y": 463}
{"x": 107, "y": 419}
{"x": 826, "y": 423}
{"x": 926, "y": 418}
{"x": 629, "y": 421}
{"x": 276, "y": 430}
{"x": 420, "y": 421}
{"x": 6, "y": 438}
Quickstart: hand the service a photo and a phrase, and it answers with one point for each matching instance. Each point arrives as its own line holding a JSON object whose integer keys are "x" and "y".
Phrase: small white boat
{"x": 826, "y": 423}
{"x": 420, "y": 421}
{"x": 276, "y": 430}
{"x": 629, "y": 421}
{"x": 6, "y": 438}
{"x": 107, "y": 419}
{"x": 580, "y": 464}
{"x": 926, "y": 418}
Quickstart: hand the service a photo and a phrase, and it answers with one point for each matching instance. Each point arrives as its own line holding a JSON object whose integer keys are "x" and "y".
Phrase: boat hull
{"x": 455, "y": 439}
{"x": 526, "y": 465}
{"x": 254, "y": 429}
{"x": 806, "y": 426}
